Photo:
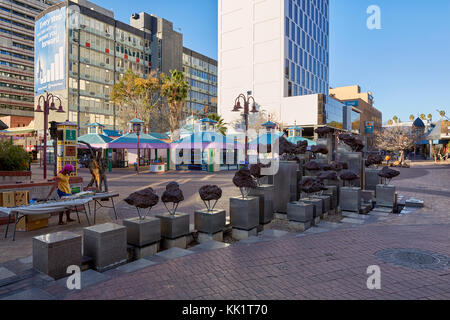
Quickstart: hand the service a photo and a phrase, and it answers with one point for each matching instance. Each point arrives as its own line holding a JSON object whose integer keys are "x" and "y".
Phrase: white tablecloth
{"x": 56, "y": 206}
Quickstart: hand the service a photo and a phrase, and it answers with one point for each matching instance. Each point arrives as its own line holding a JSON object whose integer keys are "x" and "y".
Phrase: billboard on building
{"x": 50, "y": 52}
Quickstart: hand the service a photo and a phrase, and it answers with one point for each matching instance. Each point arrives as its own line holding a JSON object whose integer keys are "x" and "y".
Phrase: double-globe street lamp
{"x": 137, "y": 125}
{"x": 49, "y": 105}
{"x": 246, "y": 112}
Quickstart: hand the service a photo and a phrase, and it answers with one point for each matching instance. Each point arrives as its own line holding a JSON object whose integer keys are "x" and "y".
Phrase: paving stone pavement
{"x": 326, "y": 262}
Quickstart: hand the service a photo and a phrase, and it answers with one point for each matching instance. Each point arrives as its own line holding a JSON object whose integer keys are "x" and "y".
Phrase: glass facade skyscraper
{"x": 306, "y": 30}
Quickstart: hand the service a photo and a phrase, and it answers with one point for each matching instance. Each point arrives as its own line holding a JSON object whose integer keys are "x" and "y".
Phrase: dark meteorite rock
{"x": 336, "y": 166}
{"x": 244, "y": 179}
{"x": 301, "y": 147}
{"x": 327, "y": 167}
{"x": 255, "y": 170}
{"x": 355, "y": 143}
{"x": 285, "y": 146}
{"x": 374, "y": 160}
{"x": 329, "y": 175}
{"x": 324, "y": 130}
{"x": 173, "y": 193}
{"x": 311, "y": 185}
{"x": 143, "y": 199}
{"x": 210, "y": 192}
{"x": 388, "y": 173}
{"x": 349, "y": 176}
{"x": 319, "y": 149}
{"x": 313, "y": 166}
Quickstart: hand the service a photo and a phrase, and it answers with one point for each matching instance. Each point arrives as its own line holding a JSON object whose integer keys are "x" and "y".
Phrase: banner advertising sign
{"x": 50, "y": 52}
{"x": 369, "y": 127}
{"x": 351, "y": 103}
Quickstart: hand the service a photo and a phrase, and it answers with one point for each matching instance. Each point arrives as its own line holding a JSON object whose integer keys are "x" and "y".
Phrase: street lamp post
{"x": 237, "y": 108}
{"x": 49, "y": 104}
{"x": 137, "y": 125}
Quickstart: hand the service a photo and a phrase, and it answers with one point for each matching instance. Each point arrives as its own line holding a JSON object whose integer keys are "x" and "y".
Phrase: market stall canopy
{"x": 146, "y": 141}
{"x": 294, "y": 140}
{"x": 96, "y": 140}
{"x": 3, "y": 126}
{"x": 206, "y": 140}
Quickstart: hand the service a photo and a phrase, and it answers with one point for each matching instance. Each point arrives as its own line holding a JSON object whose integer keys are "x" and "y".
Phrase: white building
{"x": 278, "y": 49}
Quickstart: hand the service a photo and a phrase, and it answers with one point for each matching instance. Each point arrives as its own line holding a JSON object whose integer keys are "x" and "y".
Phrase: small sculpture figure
{"x": 174, "y": 195}
{"x": 143, "y": 199}
{"x": 97, "y": 167}
{"x": 210, "y": 193}
{"x": 349, "y": 176}
{"x": 244, "y": 181}
{"x": 374, "y": 160}
{"x": 388, "y": 174}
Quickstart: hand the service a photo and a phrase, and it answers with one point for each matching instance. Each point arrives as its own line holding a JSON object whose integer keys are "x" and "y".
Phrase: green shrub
{"x": 13, "y": 158}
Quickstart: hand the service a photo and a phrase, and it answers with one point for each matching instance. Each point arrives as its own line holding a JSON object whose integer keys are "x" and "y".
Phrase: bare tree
{"x": 396, "y": 139}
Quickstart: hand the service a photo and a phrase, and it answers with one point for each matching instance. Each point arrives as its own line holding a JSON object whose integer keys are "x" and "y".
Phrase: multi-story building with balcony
{"x": 17, "y": 56}
{"x": 201, "y": 73}
{"x": 99, "y": 51}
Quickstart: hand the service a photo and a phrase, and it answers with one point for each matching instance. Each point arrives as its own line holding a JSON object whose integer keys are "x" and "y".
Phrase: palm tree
{"x": 442, "y": 113}
{"x": 390, "y": 122}
{"x": 423, "y": 117}
{"x": 395, "y": 118}
{"x": 175, "y": 89}
{"x": 430, "y": 117}
{"x": 411, "y": 118}
{"x": 220, "y": 125}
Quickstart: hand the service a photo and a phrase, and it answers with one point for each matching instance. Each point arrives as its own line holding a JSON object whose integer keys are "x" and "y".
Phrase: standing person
{"x": 63, "y": 189}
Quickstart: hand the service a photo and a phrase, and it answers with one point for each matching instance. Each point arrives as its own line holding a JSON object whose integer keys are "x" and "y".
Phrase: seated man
{"x": 63, "y": 186}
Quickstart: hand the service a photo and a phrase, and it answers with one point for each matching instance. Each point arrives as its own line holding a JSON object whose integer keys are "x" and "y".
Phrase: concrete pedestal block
{"x": 106, "y": 244}
{"x": 264, "y": 227}
{"x": 54, "y": 252}
{"x": 206, "y": 237}
{"x": 385, "y": 195}
{"x": 284, "y": 182}
{"x": 300, "y": 212}
{"x": 180, "y": 242}
{"x": 244, "y": 213}
{"x": 147, "y": 251}
{"x": 315, "y": 221}
{"x": 350, "y": 199}
{"x": 239, "y": 234}
{"x": 372, "y": 179}
{"x": 265, "y": 194}
{"x": 209, "y": 221}
{"x": 174, "y": 226}
{"x": 318, "y": 206}
{"x": 326, "y": 202}
{"x": 333, "y": 193}
{"x": 143, "y": 232}
{"x": 368, "y": 195}
{"x": 355, "y": 164}
{"x": 312, "y": 173}
{"x": 280, "y": 216}
{"x": 299, "y": 178}
{"x": 300, "y": 226}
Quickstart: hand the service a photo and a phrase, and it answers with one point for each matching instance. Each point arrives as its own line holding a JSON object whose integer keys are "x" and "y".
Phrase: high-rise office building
{"x": 82, "y": 51}
{"x": 278, "y": 49}
{"x": 17, "y": 56}
{"x": 201, "y": 73}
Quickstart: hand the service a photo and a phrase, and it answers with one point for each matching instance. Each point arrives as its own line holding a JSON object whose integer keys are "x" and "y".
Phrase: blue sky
{"x": 406, "y": 64}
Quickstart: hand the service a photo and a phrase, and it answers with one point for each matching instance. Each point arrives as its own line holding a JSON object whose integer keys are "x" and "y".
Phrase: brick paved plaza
{"x": 326, "y": 262}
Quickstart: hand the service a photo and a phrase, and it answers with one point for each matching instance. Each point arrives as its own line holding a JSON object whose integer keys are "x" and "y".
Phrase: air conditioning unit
{"x": 92, "y": 93}
{"x": 102, "y": 64}
{"x": 82, "y": 26}
{"x": 87, "y": 76}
